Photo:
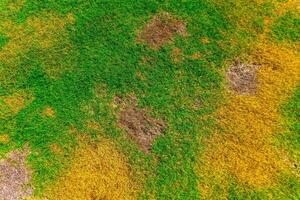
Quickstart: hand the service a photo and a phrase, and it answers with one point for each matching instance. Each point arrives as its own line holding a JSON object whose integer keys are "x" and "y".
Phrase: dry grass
{"x": 243, "y": 146}
{"x": 10, "y": 105}
{"x": 44, "y": 32}
{"x": 196, "y": 56}
{"x": 15, "y": 176}
{"x": 98, "y": 171}
{"x": 242, "y": 78}
{"x": 48, "y": 112}
{"x": 161, "y": 30}
{"x": 4, "y": 139}
{"x": 177, "y": 55}
{"x": 141, "y": 127}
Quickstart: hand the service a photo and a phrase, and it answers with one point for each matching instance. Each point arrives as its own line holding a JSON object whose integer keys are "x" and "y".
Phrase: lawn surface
{"x": 149, "y": 99}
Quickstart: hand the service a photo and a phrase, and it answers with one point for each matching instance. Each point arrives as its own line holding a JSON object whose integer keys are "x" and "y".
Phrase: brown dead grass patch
{"x": 161, "y": 30}
{"x": 140, "y": 126}
{"x": 15, "y": 176}
{"x": 242, "y": 78}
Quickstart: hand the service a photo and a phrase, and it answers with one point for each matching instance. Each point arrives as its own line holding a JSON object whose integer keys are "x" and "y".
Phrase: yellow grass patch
{"x": 243, "y": 146}
{"x": 177, "y": 55}
{"x": 98, "y": 171}
{"x": 48, "y": 112}
{"x": 55, "y": 148}
{"x": 205, "y": 40}
{"x": 93, "y": 125}
{"x": 196, "y": 56}
{"x": 14, "y": 6}
{"x": 4, "y": 139}
{"x": 11, "y": 104}
{"x": 46, "y": 31}
{"x": 283, "y": 7}
{"x": 43, "y": 31}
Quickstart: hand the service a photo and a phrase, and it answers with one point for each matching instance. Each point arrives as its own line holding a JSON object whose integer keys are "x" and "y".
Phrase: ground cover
{"x": 168, "y": 99}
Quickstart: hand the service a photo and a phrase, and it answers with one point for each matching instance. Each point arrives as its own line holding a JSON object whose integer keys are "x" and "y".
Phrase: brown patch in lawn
{"x": 161, "y": 30}
{"x": 242, "y": 78}
{"x": 49, "y": 112}
{"x": 15, "y": 176}
{"x": 141, "y": 127}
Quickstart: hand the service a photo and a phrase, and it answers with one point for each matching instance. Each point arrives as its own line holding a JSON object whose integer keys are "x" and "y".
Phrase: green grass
{"x": 105, "y": 52}
{"x": 3, "y": 40}
{"x": 287, "y": 27}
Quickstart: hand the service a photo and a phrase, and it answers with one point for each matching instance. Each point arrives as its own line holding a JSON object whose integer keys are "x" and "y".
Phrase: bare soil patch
{"x": 161, "y": 30}
{"x": 242, "y": 78}
{"x": 15, "y": 176}
{"x": 141, "y": 127}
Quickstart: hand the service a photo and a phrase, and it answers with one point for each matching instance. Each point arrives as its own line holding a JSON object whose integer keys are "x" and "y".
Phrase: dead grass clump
{"x": 15, "y": 176}
{"x": 141, "y": 127}
{"x": 161, "y": 30}
{"x": 242, "y": 78}
{"x": 98, "y": 171}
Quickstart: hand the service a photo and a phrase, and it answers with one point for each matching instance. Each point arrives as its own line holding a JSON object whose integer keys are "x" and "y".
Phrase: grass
{"x": 75, "y": 56}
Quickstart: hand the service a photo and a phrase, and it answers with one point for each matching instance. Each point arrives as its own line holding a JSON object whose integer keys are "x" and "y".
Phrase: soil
{"x": 162, "y": 29}
{"x": 242, "y": 78}
{"x": 15, "y": 176}
{"x": 140, "y": 126}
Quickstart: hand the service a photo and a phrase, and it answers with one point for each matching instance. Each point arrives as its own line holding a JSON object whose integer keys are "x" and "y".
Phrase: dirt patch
{"x": 161, "y": 30}
{"x": 15, "y": 176}
{"x": 242, "y": 78}
{"x": 141, "y": 127}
